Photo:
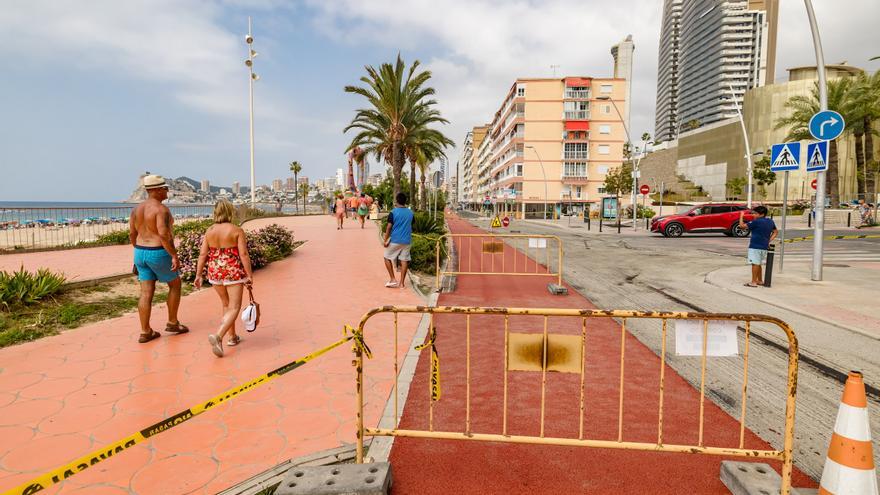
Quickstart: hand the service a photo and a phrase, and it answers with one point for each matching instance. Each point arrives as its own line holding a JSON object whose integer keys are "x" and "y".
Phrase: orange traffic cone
{"x": 849, "y": 467}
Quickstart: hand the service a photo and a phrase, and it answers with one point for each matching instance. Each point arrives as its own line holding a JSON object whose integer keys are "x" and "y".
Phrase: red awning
{"x": 577, "y": 81}
{"x": 577, "y": 125}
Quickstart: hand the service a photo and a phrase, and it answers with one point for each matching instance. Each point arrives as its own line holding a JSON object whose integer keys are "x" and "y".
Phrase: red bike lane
{"x": 425, "y": 466}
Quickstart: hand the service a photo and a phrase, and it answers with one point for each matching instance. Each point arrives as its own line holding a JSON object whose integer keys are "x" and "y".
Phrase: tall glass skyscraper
{"x": 711, "y": 50}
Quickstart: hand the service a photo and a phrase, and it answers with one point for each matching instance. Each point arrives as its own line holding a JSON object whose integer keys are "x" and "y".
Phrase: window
{"x": 520, "y": 91}
{"x": 577, "y": 150}
{"x": 603, "y": 169}
{"x": 606, "y": 109}
{"x": 604, "y": 149}
{"x": 519, "y": 169}
{"x": 577, "y": 192}
{"x": 601, "y": 190}
{"x": 720, "y": 209}
{"x": 574, "y": 169}
{"x": 604, "y": 129}
{"x": 606, "y": 88}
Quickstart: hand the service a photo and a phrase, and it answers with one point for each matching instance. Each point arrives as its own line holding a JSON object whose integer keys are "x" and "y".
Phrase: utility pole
{"x": 249, "y": 39}
{"x": 819, "y": 227}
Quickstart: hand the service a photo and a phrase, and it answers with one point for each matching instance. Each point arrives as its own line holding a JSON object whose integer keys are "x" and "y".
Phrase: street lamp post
{"x": 819, "y": 227}
{"x": 249, "y": 39}
{"x": 635, "y": 163}
{"x": 742, "y": 123}
{"x": 543, "y": 173}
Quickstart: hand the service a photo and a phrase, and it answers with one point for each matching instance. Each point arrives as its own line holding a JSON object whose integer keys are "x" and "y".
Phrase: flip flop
{"x": 216, "y": 345}
{"x": 233, "y": 342}
{"x": 176, "y": 328}
{"x": 750, "y": 285}
{"x": 391, "y": 285}
{"x": 144, "y": 338}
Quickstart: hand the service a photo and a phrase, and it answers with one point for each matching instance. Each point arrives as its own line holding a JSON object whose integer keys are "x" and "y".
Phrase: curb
{"x": 709, "y": 280}
{"x": 91, "y": 282}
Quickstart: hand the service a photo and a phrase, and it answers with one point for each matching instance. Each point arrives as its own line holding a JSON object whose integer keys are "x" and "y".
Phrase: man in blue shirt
{"x": 398, "y": 237}
{"x": 763, "y": 232}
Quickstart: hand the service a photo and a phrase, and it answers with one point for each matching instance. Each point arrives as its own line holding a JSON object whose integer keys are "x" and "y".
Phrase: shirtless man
{"x": 155, "y": 258}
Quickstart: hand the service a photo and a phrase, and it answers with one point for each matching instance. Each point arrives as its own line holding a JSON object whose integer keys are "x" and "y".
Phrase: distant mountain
{"x": 197, "y": 185}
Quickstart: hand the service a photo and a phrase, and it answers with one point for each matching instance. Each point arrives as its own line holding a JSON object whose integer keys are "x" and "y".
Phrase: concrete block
{"x": 557, "y": 290}
{"x": 754, "y": 478}
{"x": 340, "y": 479}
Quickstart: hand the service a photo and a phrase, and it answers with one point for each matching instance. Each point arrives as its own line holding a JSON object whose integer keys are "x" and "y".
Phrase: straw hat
{"x": 154, "y": 182}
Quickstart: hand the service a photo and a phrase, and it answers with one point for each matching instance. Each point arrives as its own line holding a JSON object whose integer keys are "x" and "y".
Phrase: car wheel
{"x": 737, "y": 231}
{"x": 673, "y": 230}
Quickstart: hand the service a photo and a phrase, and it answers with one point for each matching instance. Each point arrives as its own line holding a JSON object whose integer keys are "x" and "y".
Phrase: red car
{"x": 715, "y": 217}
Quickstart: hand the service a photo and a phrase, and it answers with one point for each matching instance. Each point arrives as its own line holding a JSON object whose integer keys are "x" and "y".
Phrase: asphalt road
{"x": 650, "y": 272}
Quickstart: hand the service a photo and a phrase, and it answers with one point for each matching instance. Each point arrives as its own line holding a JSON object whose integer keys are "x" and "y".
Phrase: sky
{"x": 95, "y": 92}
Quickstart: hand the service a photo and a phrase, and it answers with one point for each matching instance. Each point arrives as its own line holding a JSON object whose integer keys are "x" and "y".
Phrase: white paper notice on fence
{"x": 537, "y": 242}
{"x": 689, "y": 338}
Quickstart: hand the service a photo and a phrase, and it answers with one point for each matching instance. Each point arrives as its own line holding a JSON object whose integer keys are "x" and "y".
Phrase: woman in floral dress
{"x": 224, "y": 253}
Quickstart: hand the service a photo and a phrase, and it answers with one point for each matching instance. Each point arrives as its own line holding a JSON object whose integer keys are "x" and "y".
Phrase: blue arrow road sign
{"x": 785, "y": 156}
{"x": 817, "y": 156}
{"x": 826, "y": 125}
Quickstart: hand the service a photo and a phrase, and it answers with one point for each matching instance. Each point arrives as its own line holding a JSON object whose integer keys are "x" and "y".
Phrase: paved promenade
{"x": 427, "y": 466}
{"x": 76, "y": 264}
{"x": 63, "y": 396}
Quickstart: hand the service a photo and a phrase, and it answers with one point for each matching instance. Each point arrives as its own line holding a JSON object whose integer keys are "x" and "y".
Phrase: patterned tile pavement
{"x": 66, "y": 395}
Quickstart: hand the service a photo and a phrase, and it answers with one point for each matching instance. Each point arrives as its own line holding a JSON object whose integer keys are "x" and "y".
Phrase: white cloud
{"x": 169, "y": 42}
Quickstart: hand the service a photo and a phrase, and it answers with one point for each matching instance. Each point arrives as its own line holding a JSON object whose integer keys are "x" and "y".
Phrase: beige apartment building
{"x": 550, "y": 144}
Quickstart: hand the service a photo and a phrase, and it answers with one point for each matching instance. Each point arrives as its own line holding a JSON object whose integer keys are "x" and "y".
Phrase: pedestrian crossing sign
{"x": 817, "y": 156}
{"x": 785, "y": 156}
{"x": 496, "y": 222}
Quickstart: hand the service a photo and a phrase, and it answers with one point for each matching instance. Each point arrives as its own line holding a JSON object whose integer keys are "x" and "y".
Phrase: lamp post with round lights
{"x": 249, "y": 39}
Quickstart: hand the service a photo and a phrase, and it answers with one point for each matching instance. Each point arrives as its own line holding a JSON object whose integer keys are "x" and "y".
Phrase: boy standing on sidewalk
{"x": 398, "y": 237}
{"x": 763, "y": 232}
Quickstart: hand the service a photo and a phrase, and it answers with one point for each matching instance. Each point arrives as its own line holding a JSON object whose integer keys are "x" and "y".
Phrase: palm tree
{"x": 865, "y": 103}
{"x": 296, "y": 168}
{"x": 798, "y": 123}
{"x": 426, "y": 145}
{"x": 304, "y": 189}
{"x": 399, "y": 102}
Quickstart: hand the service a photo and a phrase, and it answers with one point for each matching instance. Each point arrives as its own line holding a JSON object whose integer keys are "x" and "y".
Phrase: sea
{"x": 62, "y": 212}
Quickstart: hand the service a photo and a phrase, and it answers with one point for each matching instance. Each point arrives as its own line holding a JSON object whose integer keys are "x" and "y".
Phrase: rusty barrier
{"x": 485, "y": 254}
{"x": 546, "y": 342}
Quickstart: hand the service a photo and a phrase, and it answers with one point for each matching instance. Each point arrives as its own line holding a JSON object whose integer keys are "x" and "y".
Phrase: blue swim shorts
{"x": 757, "y": 256}
{"x": 153, "y": 263}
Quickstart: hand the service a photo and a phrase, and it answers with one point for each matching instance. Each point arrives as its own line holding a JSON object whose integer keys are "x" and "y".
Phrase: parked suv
{"x": 716, "y": 217}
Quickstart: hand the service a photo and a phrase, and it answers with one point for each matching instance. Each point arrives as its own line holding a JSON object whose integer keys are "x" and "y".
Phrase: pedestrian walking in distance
{"x": 340, "y": 211}
{"x": 763, "y": 232}
{"x": 155, "y": 258}
{"x": 398, "y": 237}
{"x": 363, "y": 208}
{"x": 225, "y": 255}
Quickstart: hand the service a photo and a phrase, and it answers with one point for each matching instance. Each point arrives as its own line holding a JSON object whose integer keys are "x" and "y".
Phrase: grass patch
{"x": 73, "y": 309}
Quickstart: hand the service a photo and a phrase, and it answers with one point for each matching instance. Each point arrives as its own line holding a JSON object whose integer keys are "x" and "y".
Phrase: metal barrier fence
{"x": 549, "y": 344}
{"x": 492, "y": 256}
{"x": 23, "y": 228}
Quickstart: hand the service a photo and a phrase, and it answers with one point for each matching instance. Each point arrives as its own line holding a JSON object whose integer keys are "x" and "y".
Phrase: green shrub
{"x": 424, "y": 224}
{"x": 199, "y": 226}
{"x": 23, "y": 287}
{"x": 424, "y": 254}
{"x": 112, "y": 238}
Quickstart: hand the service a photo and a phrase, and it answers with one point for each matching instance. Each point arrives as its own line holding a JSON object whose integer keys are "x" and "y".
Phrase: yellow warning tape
{"x": 833, "y": 237}
{"x": 435, "y": 364}
{"x": 79, "y": 465}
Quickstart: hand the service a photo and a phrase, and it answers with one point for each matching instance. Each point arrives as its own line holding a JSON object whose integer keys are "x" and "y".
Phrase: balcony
{"x": 575, "y": 178}
{"x": 582, "y": 94}
{"x": 578, "y": 115}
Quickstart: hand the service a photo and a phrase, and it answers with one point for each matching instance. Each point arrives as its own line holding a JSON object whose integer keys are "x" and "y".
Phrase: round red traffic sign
{"x": 505, "y": 221}
{"x": 813, "y": 184}
{"x": 645, "y": 189}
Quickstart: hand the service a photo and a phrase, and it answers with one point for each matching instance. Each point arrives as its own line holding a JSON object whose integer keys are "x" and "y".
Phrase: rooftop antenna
{"x": 554, "y": 67}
